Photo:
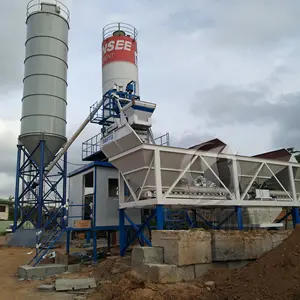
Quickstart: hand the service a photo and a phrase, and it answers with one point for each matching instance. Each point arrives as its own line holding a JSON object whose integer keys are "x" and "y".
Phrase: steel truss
{"x": 232, "y": 196}
{"x": 152, "y": 172}
{"x": 40, "y": 198}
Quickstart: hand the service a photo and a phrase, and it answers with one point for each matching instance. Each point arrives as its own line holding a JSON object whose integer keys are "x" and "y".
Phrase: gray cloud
{"x": 256, "y": 23}
{"x": 222, "y": 48}
{"x": 12, "y": 36}
{"x": 229, "y": 105}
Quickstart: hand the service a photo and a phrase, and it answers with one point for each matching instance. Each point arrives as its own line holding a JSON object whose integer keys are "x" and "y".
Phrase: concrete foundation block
{"x": 278, "y": 236}
{"x": 184, "y": 247}
{"x": 73, "y": 268}
{"x": 46, "y": 288}
{"x": 186, "y": 273}
{"x": 228, "y": 245}
{"x": 202, "y": 269}
{"x": 41, "y": 271}
{"x": 147, "y": 255}
{"x": 162, "y": 273}
{"x": 257, "y": 243}
{"x": 143, "y": 270}
{"x": 74, "y": 284}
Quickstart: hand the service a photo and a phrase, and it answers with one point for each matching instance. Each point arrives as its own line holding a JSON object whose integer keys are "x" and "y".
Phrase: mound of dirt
{"x": 275, "y": 275}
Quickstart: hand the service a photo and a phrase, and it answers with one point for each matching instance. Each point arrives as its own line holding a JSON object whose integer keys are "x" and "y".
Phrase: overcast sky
{"x": 227, "y": 69}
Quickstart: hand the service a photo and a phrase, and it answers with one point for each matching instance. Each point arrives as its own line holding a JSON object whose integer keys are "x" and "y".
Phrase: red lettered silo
{"x": 119, "y": 57}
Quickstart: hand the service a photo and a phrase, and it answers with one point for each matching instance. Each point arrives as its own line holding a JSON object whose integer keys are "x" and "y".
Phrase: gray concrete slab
{"x": 40, "y": 271}
{"x": 46, "y": 288}
{"x": 74, "y": 284}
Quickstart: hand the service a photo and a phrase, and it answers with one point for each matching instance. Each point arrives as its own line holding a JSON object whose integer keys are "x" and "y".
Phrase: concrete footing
{"x": 181, "y": 255}
{"x": 184, "y": 247}
{"x": 42, "y": 271}
{"x": 147, "y": 255}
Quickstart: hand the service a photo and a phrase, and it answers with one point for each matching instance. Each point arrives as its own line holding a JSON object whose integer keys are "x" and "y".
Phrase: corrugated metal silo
{"x": 45, "y": 82}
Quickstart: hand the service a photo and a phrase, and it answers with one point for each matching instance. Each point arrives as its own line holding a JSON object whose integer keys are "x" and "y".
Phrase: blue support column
{"x": 295, "y": 215}
{"x": 88, "y": 237}
{"x": 64, "y": 196}
{"x": 94, "y": 217}
{"x": 108, "y": 241}
{"x": 41, "y": 186}
{"x": 95, "y": 254}
{"x": 17, "y": 190}
{"x": 68, "y": 242}
{"x": 160, "y": 217}
{"x": 239, "y": 215}
{"x": 122, "y": 231}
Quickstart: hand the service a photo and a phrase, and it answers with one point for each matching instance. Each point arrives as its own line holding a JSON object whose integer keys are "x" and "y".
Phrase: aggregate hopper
{"x": 195, "y": 178}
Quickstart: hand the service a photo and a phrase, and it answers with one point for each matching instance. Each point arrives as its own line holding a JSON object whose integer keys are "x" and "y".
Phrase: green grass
{"x": 4, "y": 225}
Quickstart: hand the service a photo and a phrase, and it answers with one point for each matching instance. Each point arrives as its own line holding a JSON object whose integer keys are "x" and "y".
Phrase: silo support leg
{"x": 68, "y": 242}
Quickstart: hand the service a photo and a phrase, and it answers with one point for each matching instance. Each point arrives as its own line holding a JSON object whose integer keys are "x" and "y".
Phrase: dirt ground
{"x": 275, "y": 275}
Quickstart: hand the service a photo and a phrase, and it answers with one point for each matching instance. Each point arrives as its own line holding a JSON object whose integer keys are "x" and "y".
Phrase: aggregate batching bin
{"x": 45, "y": 82}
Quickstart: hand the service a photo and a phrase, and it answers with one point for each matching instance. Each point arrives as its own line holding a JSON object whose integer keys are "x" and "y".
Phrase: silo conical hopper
{"x": 45, "y": 82}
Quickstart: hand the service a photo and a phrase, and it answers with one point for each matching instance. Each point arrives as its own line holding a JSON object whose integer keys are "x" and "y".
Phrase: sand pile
{"x": 275, "y": 275}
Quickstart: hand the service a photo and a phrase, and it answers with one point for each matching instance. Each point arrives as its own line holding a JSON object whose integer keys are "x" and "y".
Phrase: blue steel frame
{"x": 34, "y": 179}
{"x": 110, "y": 109}
{"x": 157, "y": 213}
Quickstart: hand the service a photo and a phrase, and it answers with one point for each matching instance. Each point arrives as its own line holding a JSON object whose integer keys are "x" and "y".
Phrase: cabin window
{"x": 113, "y": 185}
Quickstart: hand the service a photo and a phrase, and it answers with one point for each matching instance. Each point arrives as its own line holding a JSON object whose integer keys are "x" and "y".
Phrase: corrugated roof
{"x": 89, "y": 166}
{"x": 214, "y": 144}
{"x": 280, "y": 154}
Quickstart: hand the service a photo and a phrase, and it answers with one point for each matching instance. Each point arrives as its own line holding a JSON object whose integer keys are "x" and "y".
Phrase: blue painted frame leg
{"x": 239, "y": 215}
{"x": 68, "y": 242}
{"x": 160, "y": 217}
{"x": 41, "y": 186}
{"x": 95, "y": 254}
{"x": 295, "y": 215}
{"x": 88, "y": 237}
{"x": 17, "y": 189}
{"x": 122, "y": 232}
{"x": 64, "y": 196}
{"x": 108, "y": 241}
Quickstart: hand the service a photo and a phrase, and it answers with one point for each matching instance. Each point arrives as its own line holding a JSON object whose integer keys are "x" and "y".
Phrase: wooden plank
{"x": 83, "y": 224}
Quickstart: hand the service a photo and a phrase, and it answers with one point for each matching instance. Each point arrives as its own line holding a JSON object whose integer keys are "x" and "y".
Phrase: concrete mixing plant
{"x": 135, "y": 178}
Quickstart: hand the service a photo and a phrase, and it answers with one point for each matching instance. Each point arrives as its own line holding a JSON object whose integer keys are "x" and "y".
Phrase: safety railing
{"x": 111, "y": 28}
{"x": 91, "y": 146}
{"x": 163, "y": 140}
{"x": 36, "y": 5}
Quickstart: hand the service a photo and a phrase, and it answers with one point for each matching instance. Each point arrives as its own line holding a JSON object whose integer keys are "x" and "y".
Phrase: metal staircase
{"x": 46, "y": 243}
{"x": 47, "y": 237}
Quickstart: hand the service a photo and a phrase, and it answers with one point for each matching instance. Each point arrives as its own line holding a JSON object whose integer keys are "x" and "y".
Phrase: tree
{"x": 296, "y": 153}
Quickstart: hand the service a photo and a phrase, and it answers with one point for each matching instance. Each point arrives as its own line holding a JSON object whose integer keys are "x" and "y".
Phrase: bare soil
{"x": 275, "y": 275}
